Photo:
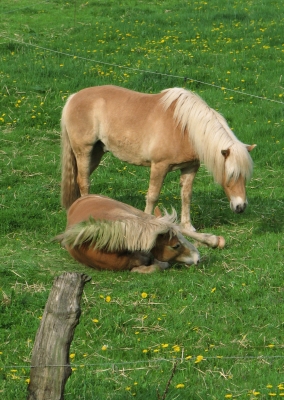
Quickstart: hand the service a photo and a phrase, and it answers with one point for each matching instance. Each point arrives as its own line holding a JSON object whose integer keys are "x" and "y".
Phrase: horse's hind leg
{"x": 83, "y": 158}
{"x": 186, "y": 182}
{"x": 88, "y": 160}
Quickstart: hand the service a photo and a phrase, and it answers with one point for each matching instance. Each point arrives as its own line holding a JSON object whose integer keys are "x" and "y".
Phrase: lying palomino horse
{"x": 109, "y": 235}
{"x": 174, "y": 129}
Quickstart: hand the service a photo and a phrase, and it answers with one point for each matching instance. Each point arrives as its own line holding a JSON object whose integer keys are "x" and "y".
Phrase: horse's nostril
{"x": 240, "y": 208}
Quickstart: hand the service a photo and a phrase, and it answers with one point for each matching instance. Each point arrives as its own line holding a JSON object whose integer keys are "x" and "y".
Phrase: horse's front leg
{"x": 157, "y": 176}
{"x": 186, "y": 182}
{"x": 156, "y": 266}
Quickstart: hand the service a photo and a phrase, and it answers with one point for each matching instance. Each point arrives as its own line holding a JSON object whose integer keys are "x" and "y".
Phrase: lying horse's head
{"x": 175, "y": 249}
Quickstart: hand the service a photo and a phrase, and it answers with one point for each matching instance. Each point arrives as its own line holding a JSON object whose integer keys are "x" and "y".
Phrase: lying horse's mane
{"x": 209, "y": 133}
{"x": 132, "y": 233}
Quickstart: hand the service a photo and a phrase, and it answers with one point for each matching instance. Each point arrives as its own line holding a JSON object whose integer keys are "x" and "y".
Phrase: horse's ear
{"x": 157, "y": 212}
{"x": 225, "y": 153}
{"x": 251, "y": 147}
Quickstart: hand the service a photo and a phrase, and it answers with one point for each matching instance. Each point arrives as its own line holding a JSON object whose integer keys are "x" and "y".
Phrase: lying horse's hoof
{"x": 221, "y": 242}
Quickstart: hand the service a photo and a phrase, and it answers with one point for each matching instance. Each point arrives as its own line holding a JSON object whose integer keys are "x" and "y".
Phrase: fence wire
{"x": 113, "y": 364}
{"x": 184, "y": 78}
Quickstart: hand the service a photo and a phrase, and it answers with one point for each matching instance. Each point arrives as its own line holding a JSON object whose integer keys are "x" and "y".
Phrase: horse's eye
{"x": 176, "y": 246}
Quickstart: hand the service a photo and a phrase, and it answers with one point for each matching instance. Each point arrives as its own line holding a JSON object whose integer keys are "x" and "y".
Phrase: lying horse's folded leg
{"x": 157, "y": 266}
{"x": 144, "y": 269}
{"x": 206, "y": 238}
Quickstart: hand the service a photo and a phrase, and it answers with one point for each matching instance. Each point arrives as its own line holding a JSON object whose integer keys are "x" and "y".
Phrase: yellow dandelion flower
{"x": 27, "y": 380}
{"x": 228, "y": 396}
{"x": 180, "y": 386}
{"x": 104, "y": 347}
{"x": 108, "y": 299}
{"x": 199, "y": 359}
{"x": 213, "y": 290}
{"x": 95, "y": 320}
{"x": 144, "y": 295}
{"x": 72, "y": 355}
{"x": 165, "y": 345}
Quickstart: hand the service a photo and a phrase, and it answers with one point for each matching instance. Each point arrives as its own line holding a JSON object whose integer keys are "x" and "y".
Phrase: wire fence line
{"x": 184, "y": 78}
{"x": 113, "y": 364}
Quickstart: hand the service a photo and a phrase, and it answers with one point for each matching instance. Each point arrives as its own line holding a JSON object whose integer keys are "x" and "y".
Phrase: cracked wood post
{"x": 50, "y": 366}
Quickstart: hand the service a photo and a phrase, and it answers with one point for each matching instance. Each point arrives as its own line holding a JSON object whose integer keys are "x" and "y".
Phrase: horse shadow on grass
{"x": 213, "y": 212}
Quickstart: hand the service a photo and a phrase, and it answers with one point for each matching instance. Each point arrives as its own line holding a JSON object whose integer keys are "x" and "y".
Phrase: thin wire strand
{"x": 153, "y": 361}
{"x": 142, "y": 70}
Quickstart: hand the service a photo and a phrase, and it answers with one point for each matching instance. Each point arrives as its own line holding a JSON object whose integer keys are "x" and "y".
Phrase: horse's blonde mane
{"x": 132, "y": 233}
{"x": 209, "y": 133}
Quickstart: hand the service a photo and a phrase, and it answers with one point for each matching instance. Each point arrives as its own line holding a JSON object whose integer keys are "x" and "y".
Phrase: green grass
{"x": 229, "y": 309}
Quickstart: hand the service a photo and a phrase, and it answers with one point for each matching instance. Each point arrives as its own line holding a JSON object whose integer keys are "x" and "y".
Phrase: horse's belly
{"x": 130, "y": 151}
{"x": 101, "y": 260}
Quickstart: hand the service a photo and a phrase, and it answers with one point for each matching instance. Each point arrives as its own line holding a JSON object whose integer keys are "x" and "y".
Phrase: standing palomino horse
{"x": 174, "y": 129}
{"x": 109, "y": 235}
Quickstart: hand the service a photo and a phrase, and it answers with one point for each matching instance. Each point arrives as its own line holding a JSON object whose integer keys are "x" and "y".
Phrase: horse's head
{"x": 234, "y": 181}
{"x": 174, "y": 248}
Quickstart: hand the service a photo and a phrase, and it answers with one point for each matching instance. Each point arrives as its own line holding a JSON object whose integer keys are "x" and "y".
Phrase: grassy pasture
{"x": 221, "y": 321}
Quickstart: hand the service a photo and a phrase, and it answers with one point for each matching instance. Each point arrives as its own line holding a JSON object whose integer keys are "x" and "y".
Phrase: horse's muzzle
{"x": 238, "y": 205}
{"x": 240, "y": 208}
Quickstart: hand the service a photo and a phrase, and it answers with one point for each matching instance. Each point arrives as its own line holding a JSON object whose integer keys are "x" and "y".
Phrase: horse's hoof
{"x": 221, "y": 242}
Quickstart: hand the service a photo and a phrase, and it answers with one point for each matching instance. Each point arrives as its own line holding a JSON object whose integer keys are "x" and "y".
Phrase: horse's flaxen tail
{"x": 69, "y": 186}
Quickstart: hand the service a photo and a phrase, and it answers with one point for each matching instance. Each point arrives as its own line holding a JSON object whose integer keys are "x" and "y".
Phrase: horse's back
{"x": 112, "y": 97}
{"x": 101, "y": 208}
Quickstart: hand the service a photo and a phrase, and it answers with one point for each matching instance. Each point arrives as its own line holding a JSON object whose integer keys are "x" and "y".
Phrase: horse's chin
{"x": 162, "y": 264}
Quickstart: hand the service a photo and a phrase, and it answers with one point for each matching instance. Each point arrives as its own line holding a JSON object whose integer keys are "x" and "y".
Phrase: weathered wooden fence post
{"x": 50, "y": 366}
